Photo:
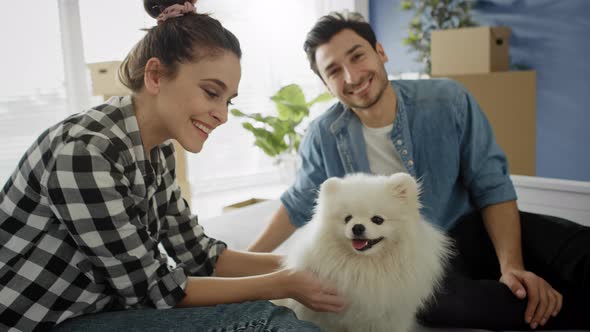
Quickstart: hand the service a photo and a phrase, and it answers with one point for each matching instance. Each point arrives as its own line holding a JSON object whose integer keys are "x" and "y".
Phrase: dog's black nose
{"x": 358, "y": 229}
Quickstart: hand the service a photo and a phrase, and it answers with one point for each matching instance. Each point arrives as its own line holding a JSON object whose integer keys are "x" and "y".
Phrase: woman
{"x": 82, "y": 217}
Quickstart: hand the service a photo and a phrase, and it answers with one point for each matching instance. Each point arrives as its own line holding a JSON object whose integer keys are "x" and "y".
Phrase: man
{"x": 435, "y": 131}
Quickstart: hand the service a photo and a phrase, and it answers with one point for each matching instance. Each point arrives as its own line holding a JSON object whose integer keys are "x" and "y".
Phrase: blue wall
{"x": 549, "y": 36}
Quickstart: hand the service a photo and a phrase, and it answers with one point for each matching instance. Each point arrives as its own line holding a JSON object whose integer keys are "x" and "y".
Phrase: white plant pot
{"x": 288, "y": 164}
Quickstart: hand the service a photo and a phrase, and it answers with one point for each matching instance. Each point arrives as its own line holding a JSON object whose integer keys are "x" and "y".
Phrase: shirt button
{"x": 399, "y": 142}
{"x": 410, "y": 163}
{"x": 405, "y": 152}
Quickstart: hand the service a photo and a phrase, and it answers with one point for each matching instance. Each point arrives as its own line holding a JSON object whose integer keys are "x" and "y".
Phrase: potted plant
{"x": 434, "y": 15}
{"x": 279, "y": 136}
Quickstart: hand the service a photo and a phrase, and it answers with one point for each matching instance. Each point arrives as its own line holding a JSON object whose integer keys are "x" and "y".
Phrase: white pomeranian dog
{"x": 368, "y": 239}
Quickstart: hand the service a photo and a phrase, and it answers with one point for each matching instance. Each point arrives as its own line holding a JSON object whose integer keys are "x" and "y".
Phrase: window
{"x": 110, "y": 28}
{"x": 230, "y": 167}
{"x": 32, "y": 93}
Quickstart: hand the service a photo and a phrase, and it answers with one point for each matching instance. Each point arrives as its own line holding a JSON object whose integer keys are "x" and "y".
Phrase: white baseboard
{"x": 562, "y": 198}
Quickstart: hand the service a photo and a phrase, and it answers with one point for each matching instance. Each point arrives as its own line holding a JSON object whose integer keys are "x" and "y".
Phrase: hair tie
{"x": 176, "y": 11}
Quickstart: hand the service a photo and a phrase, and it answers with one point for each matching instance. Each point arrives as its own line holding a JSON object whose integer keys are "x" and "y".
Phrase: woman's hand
{"x": 305, "y": 288}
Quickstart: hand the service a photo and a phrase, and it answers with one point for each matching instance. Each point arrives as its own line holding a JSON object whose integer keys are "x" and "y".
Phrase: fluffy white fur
{"x": 385, "y": 284}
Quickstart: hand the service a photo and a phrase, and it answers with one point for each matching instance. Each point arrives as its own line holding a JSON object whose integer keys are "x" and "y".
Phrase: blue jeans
{"x": 260, "y": 316}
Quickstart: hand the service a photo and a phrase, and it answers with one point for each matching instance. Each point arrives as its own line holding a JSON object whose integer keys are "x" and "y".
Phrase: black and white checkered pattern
{"x": 81, "y": 219}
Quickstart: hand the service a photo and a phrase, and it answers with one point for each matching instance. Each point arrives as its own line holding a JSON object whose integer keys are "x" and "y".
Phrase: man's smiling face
{"x": 352, "y": 70}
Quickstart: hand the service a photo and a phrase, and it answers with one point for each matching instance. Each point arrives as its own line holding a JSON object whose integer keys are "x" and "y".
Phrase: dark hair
{"x": 182, "y": 39}
{"x": 329, "y": 25}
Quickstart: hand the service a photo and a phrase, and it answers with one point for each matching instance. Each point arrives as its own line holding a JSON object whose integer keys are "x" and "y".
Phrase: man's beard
{"x": 377, "y": 79}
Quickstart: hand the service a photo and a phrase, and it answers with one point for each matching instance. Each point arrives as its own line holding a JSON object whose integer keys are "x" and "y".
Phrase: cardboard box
{"x": 475, "y": 50}
{"x": 242, "y": 204}
{"x": 509, "y": 101}
{"x": 105, "y": 81}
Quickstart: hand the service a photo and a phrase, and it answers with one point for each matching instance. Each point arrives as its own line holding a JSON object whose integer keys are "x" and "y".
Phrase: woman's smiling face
{"x": 195, "y": 101}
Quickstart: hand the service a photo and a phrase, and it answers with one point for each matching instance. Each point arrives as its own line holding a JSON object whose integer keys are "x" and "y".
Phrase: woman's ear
{"x": 152, "y": 76}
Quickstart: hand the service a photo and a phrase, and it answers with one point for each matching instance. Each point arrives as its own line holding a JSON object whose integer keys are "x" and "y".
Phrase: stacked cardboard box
{"x": 105, "y": 82}
{"x": 478, "y": 58}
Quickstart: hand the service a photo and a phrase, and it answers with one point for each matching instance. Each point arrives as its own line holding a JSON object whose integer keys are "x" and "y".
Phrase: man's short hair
{"x": 329, "y": 25}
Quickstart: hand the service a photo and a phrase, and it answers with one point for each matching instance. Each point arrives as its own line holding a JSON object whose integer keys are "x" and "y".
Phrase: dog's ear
{"x": 331, "y": 185}
{"x": 403, "y": 185}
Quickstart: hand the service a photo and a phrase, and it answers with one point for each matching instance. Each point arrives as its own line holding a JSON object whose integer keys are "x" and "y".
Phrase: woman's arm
{"x": 300, "y": 286}
{"x": 91, "y": 196}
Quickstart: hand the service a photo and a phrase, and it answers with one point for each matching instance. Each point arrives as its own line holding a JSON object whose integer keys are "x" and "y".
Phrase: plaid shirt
{"x": 81, "y": 220}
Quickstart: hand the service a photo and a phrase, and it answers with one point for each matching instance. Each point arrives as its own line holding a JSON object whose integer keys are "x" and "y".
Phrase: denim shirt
{"x": 442, "y": 136}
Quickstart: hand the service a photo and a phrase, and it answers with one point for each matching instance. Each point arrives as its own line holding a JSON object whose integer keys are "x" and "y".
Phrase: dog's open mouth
{"x": 365, "y": 244}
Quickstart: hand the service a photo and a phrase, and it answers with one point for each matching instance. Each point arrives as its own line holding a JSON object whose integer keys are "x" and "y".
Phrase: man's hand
{"x": 543, "y": 301}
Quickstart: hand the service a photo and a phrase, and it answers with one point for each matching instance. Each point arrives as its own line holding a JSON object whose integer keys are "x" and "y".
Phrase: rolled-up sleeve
{"x": 484, "y": 165}
{"x": 185, "y": 240}
{"x": 299, "y": 199}
{"x": 90, "y": 195}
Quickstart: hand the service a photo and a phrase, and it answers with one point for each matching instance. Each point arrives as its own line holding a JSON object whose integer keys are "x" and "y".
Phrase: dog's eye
{"x": 377, "y": 220}
{"x": 347, "y": 219}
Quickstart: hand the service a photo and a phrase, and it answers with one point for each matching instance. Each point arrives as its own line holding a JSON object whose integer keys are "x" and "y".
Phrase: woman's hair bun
{"x": 155, "y": 7}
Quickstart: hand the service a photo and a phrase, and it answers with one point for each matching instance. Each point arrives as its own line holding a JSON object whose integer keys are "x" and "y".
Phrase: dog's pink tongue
{"x": 359, "y": 244}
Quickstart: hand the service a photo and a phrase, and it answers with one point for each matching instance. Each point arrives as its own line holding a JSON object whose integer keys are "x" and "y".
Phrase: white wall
{"x": 563, "y": 198}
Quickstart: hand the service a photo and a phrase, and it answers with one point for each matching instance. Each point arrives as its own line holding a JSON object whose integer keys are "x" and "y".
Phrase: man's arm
{"x": 233, "y": 263}
{"x": 276, "y": 232}
{"x": 502, "y": 222}
{"x": 297, "y": 202}
{"x": 485, "y": 172}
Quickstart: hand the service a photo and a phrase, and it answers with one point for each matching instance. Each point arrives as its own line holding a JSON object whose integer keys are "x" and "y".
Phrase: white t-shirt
{"x": 383, "y": 157}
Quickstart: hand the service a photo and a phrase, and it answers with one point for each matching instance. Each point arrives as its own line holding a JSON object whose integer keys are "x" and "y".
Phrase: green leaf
{"x": 277, "y": 134}
{"x": 274, "y": 145}
{"x": 257, "y": 117}
{"x": 236, "y": 112}
{"x": 407, "y": 5}
{"x": 291, "y": 94}
{"x": 267, "y": 140}
{"x": 266, "y": 147}
{"x": 289, "y": 111}
{"x": 326, "y": 96}
{"x": 281, "y": 127}
{"x": 255, "y": 130}
{"x": 290, "y": 103}
{"x": 430, "y": 15}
